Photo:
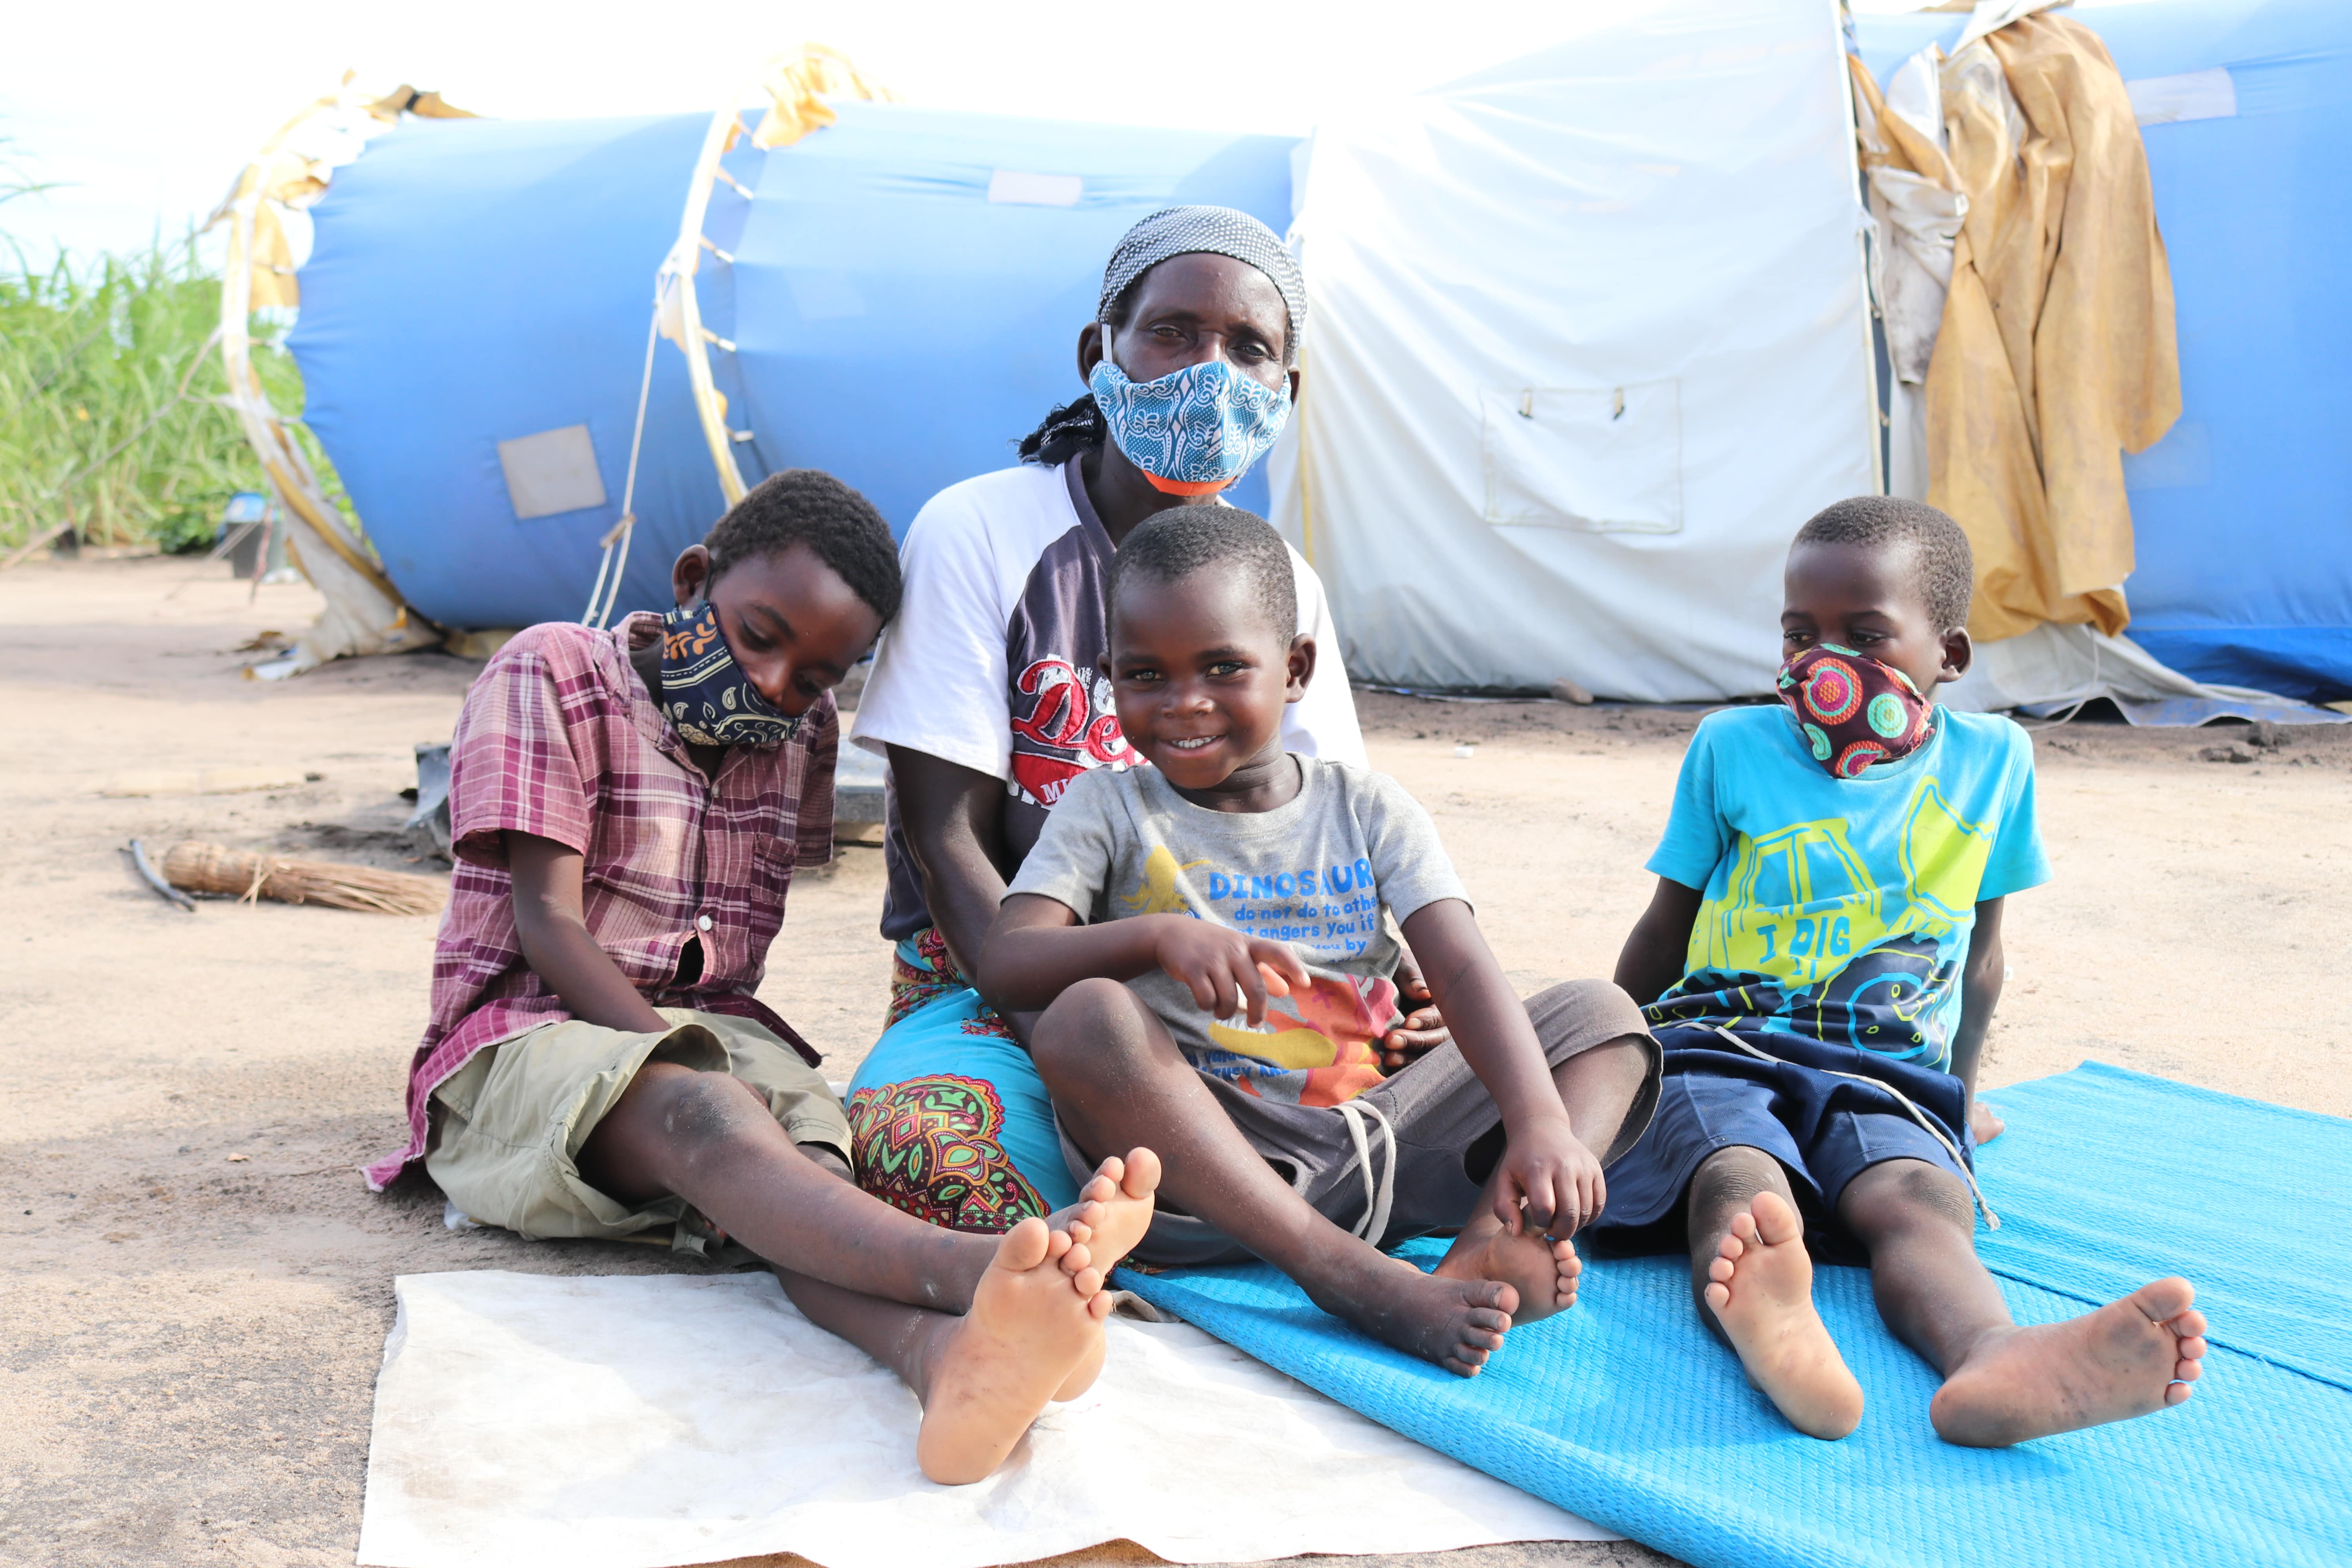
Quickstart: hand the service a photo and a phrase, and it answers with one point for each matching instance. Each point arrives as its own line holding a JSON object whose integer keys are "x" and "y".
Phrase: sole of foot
{"x": 1457, "y": 1324}
{"x": 1113, "y": 1211}
{"x": 2132, "y": 1357}
{"x": 1082, "y": 1377}
{"x": 1543, "y": 1272}
{"x": 1760, "y": 1288}
{"x": 1027, "y": 1336}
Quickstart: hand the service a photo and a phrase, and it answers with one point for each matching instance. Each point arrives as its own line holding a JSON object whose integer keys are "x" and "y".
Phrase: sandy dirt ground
{"x": 198, "y": 1285}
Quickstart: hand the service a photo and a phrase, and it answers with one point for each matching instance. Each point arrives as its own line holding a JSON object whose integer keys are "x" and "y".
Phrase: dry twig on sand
{"x": 215, "y": 868}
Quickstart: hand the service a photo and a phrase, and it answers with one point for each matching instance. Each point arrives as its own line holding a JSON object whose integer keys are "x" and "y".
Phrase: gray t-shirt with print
{"x": 1316, "y": 873}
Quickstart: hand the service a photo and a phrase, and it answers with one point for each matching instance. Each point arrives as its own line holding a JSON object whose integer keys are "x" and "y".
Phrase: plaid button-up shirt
{"x": 559, "y": 738}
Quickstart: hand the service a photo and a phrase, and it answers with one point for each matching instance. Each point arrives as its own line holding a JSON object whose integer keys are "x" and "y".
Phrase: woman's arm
{"x": 1656, "y": 952}
{"x": 954, "y": 820}
{"x": 555, "y": 941}
{"x": 1980, "y": 994}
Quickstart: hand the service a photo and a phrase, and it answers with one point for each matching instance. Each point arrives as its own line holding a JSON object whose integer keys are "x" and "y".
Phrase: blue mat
{"x": 1623, "y": 1411}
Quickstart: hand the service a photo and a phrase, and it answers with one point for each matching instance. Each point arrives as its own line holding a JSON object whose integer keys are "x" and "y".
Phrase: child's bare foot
{"x": 1984, "y": 1122}
{"x": 1113, "y": 1211}
{"x": 991, "y": 1371}
{"x": 1541, "y": 1271}
{"x": 1761, "y": 1291}
{"x": 2130, "y": 1358}
{"x": 1082, "y": 1377}
{"x": 1457, "y": 1324}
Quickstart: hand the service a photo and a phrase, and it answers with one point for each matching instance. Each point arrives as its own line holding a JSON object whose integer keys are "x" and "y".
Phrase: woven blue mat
{"x": 1622, "y": 1410}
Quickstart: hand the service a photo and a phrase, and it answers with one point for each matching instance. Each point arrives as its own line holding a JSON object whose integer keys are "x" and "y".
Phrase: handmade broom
{"x": 215, "y": 868}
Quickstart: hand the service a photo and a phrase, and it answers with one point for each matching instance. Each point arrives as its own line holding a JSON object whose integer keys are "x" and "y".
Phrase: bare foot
{"x": 989, "y": 1372}
{"x": 1543, "y": 1271}
{"x": 1083, "y": 1376}
{"x": 1761, "y": 1291}
{"x": 1112, "y": 1212}
{"x": 1984, "y": 1122}
{"x": 2130, "y": 1358}
{"x": 1457, "y": 1324}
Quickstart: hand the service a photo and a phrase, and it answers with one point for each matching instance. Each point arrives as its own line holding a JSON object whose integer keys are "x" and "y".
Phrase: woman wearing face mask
{"x": 989, "y": 692}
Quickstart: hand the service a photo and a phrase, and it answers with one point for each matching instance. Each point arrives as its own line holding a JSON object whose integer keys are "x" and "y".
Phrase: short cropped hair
{"x": 1173, "y": 544}
{"x": 808, "y": 506}
{"x": 1942, "y": 569}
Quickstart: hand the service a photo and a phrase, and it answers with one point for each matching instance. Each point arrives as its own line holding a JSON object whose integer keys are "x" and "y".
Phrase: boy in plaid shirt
{"x": 627, "y": 810}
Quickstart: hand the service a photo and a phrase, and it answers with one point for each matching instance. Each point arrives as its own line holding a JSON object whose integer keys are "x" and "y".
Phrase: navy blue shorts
{"x": 1823, "y": 1130}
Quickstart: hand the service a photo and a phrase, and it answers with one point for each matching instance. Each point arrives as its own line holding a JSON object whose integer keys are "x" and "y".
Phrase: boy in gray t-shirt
{"x": 1314, "y": 874}
{"x": 1211, "y": 940}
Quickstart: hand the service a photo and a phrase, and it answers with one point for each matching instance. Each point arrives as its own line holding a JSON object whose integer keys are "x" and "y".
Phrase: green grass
{"x": 110, "y": 418}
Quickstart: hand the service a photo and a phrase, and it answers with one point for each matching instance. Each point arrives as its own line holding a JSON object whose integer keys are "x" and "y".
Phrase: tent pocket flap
{"x": 1604, "y": 459}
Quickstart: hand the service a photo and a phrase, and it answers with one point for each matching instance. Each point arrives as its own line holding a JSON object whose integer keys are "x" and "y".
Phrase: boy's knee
{"x": 1093, "y": 1019}
{"x": 1732, "y": 1176}
{"x": 702, "y": 1108}
{"x": 1896, "y": 1195}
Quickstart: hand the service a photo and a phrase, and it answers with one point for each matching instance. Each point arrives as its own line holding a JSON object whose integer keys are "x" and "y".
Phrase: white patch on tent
{"x": 2192, "y": 95}
{"x": 1598, "y": 459}
{"x": 825, "y": 296}
{"x": 553, "y": 471}
{"x": 2183, "y": 460}
{"x": 1035, "y": 190}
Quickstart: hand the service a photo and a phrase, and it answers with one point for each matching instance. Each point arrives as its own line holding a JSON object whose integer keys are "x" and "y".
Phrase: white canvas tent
{"x": 1591, "y": 333}
{"x": 1589, "y": 336}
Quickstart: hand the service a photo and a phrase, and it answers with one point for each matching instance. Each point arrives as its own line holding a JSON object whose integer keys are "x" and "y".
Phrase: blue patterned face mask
{"x": 705, "y": 694}
{"x": 1193, "y": 431}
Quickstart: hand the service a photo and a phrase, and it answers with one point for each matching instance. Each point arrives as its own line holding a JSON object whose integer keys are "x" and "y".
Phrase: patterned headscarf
{"x": 1214, "y": 231}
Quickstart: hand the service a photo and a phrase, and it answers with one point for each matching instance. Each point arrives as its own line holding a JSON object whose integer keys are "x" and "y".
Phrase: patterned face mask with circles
{"x": 1854, "y": 710}
{"x": 705, "y": 693}
{"x": 1192, "y": 431}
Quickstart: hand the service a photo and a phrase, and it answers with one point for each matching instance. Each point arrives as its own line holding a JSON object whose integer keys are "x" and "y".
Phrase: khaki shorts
{"x": 508, "y": 1126}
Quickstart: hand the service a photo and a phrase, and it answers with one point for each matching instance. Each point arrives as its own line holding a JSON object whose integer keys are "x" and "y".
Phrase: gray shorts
{"x": 1448, "y": 1135}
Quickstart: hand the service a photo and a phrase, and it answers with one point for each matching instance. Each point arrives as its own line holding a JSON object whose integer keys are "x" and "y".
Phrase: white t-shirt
{"x": 996, "y": 659}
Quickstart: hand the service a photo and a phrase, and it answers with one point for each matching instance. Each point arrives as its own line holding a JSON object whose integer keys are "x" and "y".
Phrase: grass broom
{"x": 215, "y": 868}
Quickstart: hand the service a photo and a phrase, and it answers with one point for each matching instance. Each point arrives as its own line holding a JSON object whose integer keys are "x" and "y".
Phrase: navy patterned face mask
{"x": 705, "y": 693}
{"x": 1192, "y": 431}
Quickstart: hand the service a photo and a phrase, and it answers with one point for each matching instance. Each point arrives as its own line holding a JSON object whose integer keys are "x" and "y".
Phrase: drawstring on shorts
{"x": 1378, "y": 1196}
{"x": 1926, "y": 1124}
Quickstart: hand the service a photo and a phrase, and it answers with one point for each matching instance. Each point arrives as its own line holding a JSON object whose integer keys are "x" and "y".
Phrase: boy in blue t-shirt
{"x": 1824, "y": 956}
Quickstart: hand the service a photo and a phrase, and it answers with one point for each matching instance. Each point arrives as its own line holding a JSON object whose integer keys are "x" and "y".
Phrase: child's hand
{"x": 1423, "y": 1029}
{"x": 1227, "y": 972}
{"x": 1548, "y": 1168}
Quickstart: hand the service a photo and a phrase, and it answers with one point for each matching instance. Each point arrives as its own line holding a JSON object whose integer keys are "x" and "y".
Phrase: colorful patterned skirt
{"x": 948, "y": 1119}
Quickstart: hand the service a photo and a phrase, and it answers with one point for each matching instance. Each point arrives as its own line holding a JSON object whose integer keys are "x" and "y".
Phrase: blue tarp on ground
{"x": 473, "y": 281}
{"x": 1622, "y": 1410}
{"x": 2243, "y": 512}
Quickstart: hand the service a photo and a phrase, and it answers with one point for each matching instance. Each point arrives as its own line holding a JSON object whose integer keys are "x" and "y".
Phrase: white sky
{"x": 143, "y": 112}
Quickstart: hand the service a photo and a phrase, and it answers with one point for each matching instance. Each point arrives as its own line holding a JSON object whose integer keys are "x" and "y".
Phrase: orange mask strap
{"x": 1184, "y": 487}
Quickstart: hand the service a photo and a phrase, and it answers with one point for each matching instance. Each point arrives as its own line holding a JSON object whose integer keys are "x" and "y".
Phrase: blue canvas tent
{"x": 2243, "y": 512}
{"x": 903, "y": 292}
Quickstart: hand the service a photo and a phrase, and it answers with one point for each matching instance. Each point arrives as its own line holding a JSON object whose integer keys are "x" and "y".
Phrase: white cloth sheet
{"x": 645, "y": 1421}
